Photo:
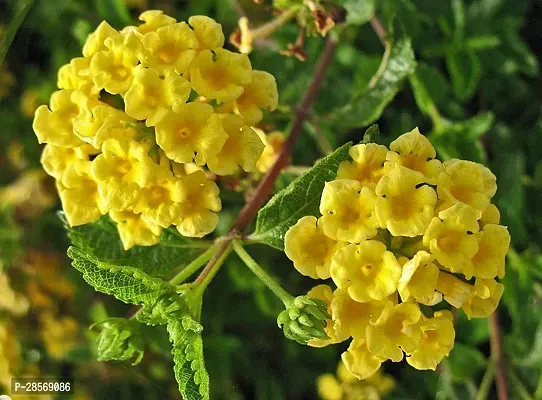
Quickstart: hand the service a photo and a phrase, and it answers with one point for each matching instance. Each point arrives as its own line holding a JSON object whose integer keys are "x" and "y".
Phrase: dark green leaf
{"x": 464, "y": 68}
{"x": 13, "y": 27}
{"x": 358, "y": 11}
{"x": 300, "y": 198}
{"x": 113, "y": 11}
{"x": 101, "y": 241}
{"x": 465, "y": 362}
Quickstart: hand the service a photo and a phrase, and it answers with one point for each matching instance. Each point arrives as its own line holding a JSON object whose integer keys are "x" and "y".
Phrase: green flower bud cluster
{"x": 304, "y": 319}
{"x": 119, "y": 339}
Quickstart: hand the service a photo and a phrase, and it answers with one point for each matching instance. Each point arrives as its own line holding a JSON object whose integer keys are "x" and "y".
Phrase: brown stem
{"x": 264, "y": 189}
{"x": 497, "y": 353}
{"x": 379, "y": 29}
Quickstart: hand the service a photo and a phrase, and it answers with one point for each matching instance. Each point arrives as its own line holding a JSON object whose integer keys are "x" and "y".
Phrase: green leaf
{"x": 465, "y": 362}
{"x": 101, "y": 241}
{"x": 465, "y": 70}
{"x": 13, "y": 27}
{"x": 368, "y": 104}
{"x": 358, "y": 12}
{"x": 129, "y": 285}
{"x": 300, "y": 198}
{"x": 190, "y": 372}
{"x": 113, "y": 11}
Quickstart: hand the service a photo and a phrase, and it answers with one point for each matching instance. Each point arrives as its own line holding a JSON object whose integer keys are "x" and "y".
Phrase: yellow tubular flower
{"x": 199, "y": 201}
{"x": 451, "y": 238}
{"x": 171, "y": 47}
{"x": 493, "y": 244}
{"x": 112, "y": 70}
{"x": 329, "y": 388}
{"x": 193, "y": 133}
{"x": 134, "y": 230}
{"x": 76, "y": 76}
{"x": 484, "y": 299}
{"x": 260, "y": 93}
{"x": 324, "y": 293}
{"x": 96, "y": 40}
{"x": 309, "y": 249}
{"x": 465, "y": 182}
{"x": 367, "y": 166}
{"x": 273, "y": 144}
{"x": 208, "y": 32}
{"x": 414, "y": 151}
{"x": 121, "y": 171}
{"x": 221, "y": 75}
{"x": 405, "y": 205}
{"x": 419, "y": 280}
{"x": 153, "y": 20}
{"x": 243, "y": 148}
{"x": 79, "y": 194}
{"x": 351, "y": 318}
{"x": 490, "y": 216}
{"x": 151, "y": 96}
{"x": 348, "y": 211}
{"x": 55, "y": 125}
{"x": 367, "y": 271}
{"x": 437, "y": 341}
{"x": 359, "y": 361}
{"x": 455, "y": 291}
{"x": 56, "y": 159}
{"x": 395, "y": 331}
{"x": 159, "y": 201}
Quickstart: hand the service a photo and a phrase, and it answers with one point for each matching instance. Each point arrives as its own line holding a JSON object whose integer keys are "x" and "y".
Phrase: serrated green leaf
{"x": 368, "y": 104}
{"x": 300, "y": 198}
{"x": 101, "y": 241}
{"x": 190, "y": 372}
{"x": 129, "y": 285}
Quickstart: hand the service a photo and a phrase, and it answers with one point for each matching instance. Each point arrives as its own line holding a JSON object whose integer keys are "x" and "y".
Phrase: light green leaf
{"x": 358, "y": 12}
{"x": 129, "y": 285}
{"x": 368, "y": 104}
{"x": 190, "y": 372}
{"x": 101, "y": 241}
{"x": 465, "y": 70}
{"x": 13, "y": 27}
{"x": 300, "y": 198}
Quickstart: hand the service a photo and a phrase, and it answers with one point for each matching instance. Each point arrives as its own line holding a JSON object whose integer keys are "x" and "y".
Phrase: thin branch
{"x": 379, "y": 30}
{"x": 496, "y": 351}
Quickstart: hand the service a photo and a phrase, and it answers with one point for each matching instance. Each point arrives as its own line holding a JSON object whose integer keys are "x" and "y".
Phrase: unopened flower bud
{"x": 304, "y": 319}
{"x": 120, "y": 339}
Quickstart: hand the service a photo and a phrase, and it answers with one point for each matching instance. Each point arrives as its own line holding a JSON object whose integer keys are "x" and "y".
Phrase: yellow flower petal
{"x": 273, "y": 144}
{"x": 324, "y": 293}
{"x": 484, "y": 299}
{"x": 419, "y": 279}
{"x": 455, "y": 291}
{"x": 490, "y": 216}
{"x": 153, "y": 20}
{"x": 133, "y": 230}
{"x": 489, "y": 261}
{"x": 260, "y": 93}
{"x": 360, "y": 361}
{"x": 96, "y": 40}
{"x": 367, "y": 166}
{"x": 208, "y": 32}
{"x": 329, "y": 388}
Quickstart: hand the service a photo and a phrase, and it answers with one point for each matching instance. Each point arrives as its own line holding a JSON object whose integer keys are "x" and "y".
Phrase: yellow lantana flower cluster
{"x": 400, "y": 228}
{"x": 181, "y": 98}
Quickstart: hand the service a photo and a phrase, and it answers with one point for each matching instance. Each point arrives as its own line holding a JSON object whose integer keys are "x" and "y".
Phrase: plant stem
{"x": 522, "y": 392}
{"x": 379, "y": 30}
{"x": 268, "y": 28}
{"x": 217, "y": 261}
{"x": 496, "y": 351}
{"x": 183, "y": 274}
{"x": 483, "y": 390}
{"x": 282, "y": 294}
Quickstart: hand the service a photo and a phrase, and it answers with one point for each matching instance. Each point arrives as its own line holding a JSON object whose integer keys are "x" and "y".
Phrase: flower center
{"x": 123, "y": 167}
{"x": 461, "y": 193}
{"x": 449, "y": 242}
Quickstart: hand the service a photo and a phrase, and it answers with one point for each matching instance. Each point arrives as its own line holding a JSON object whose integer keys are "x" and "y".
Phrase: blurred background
{"x": 476, "y": 91}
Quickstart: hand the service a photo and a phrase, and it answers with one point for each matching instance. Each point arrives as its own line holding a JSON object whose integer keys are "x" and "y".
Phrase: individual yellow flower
{"x": 405, "y": 204}
{"x": 367, "y": 166}
{"x": 419, "y": 280}
{"x": 329, "y": 388}
{"x": 324, "y": 293}
{"x": 76, "y": 76}
{"x": 310, "y": 249}
{"x": 199, "y": 203}
{"x": 351, "y": 318}
{"x": 153, "y": 20}
{"x": 30, "y": 101}
{"x": 490, "y": 216}
{"x": 366, "y": 270}
{"x": 493, "y": 244}
{"x": 56, "y": 159}
{"x": 242, "y": 148}
{"x": 134, "y": 230}
{"x": 151, "y": 95}
{"x": 59, "y": 334}
{"x": 158, "y": 201}
{"x": 395, "y": 331}
{"x": 260, "y": 93}
{"x": 455, "y": 291}
{"x": 113, "y": 70}
{"x": 121, "y": 170}
{"x": 451, "y": 237}
{"x": 437, "y": 341}
{"x": 414, "y": 151}
{"x": 208, "y": 32}
{"x": 273, "y": 145}
{"x": 221, "y": 75}
{"x": 359, "y": 361}
{"x": 465, "y": 182}
{"x": 193, "y": 133}
{"x": 348, "y": 211}
{"x": 484, "y": 298}
{"x": 55, "y": 125}
{"x": 78, "y": 192}
{"x": 171, "y": 47}
{"x": 96, "y": 40}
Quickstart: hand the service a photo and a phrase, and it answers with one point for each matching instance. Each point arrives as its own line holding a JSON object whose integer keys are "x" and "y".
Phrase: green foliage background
{"x": 466, "y": 72}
